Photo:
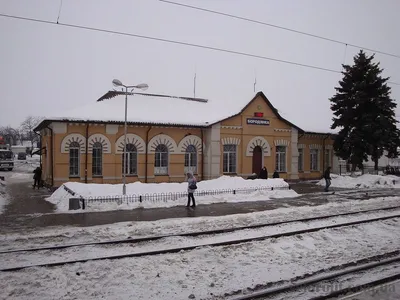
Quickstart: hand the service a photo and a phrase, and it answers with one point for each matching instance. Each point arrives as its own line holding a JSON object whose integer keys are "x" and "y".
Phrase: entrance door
{"x": 257, "y": 160}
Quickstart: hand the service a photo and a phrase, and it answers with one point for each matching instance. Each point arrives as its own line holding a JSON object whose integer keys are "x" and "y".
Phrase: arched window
{"x": 74, "y": 155}
{"x": 229, "y": 159}
{"x": 130, "y": 162}
{"x": 97, "y": 159}
{"x": 191, "y": 159}
{"x": 161, "y": 160}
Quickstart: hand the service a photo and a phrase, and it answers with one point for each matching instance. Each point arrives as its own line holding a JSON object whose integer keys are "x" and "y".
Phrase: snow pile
{"x": 363, "y": 181}
{"x": 164, "y": 194}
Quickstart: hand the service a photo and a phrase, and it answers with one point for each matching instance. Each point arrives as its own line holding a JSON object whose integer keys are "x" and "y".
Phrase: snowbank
{"x": 109, "y": 196}
{"x": 363, "y": 181}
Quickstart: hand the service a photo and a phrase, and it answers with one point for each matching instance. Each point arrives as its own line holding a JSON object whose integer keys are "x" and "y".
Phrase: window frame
{"x": 97, "y": 161}
{"x": 74, "y": 146}
{"x": 300, "y": 160}
{"x": 190, "y": 156}
{"x": 278, "y": 161}
{"x": 229, "y": 156}
{"x": 131, "y": 155}
{"x": 314, "y": 152}
{"x": 161, "y": 168}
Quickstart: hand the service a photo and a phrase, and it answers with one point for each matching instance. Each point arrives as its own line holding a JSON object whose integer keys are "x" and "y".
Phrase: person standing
{"x": 191, "y": 189}
{"x": 264, "y": 173}
{"x": 327, "y": 176}
{"x": 37, "y": 177}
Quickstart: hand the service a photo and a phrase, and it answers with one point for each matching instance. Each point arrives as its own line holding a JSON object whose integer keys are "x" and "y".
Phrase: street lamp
{"x": 143, "y": 87}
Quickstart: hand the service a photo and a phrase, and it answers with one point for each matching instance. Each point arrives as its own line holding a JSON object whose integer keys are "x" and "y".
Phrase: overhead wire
{"x": 164, "y": 40}
{"x": 278, "y": 27}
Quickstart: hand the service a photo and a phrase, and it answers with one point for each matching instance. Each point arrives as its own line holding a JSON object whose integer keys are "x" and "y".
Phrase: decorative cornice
{"x": 282, "y": 129}
{"x": 315, "y": 146}
{"x": 281, "y": 142}
{"x": 231, "y": 127}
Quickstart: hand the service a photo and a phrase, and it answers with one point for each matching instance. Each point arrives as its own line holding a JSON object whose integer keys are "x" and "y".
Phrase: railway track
{"x": 197, "y": 233}
{"x": 326, "y": 285}
{"x": 223, "y": 240}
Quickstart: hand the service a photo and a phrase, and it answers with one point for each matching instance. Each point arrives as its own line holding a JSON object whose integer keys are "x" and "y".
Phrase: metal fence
{"x": 174, "y": 196}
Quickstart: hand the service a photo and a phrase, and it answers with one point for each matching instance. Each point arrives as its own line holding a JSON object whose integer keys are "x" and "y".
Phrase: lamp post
{"x": 143, "y": 87}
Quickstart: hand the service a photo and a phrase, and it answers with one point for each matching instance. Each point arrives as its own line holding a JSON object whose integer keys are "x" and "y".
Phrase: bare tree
{"x": 10, "y": 135}
{"x": 27, "y": 127}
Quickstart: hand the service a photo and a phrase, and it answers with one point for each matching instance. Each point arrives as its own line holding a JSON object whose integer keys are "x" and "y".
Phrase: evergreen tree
{"x": 364, "y": 111}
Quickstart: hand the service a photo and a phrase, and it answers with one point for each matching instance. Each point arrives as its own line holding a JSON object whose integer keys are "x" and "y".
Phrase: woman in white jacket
{"x": 191, "y": 189}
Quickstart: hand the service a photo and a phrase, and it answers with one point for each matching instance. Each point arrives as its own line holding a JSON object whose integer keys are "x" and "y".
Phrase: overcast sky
{"x": 47, "y": 69}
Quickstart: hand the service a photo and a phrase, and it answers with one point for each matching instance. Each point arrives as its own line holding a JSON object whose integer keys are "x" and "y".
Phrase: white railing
{"x": 160, "y": 170}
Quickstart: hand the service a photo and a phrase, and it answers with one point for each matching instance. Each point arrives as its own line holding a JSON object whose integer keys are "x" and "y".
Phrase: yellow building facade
{"x": 257, "y": 136}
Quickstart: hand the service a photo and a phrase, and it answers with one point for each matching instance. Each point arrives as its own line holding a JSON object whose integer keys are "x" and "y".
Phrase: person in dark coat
{"x": 327, "y": 176}
{"x": 191, "y": 189}
{"x": 264, "y": 173}
{"x": 37, "y": 177}
{"x": 276, "y": 174}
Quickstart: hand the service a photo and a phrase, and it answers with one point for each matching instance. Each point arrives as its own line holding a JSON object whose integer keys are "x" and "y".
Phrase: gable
{"x": 260, "y": 103}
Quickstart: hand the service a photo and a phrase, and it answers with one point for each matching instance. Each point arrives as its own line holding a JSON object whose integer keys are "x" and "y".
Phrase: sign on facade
{"x": 254, "y": 121}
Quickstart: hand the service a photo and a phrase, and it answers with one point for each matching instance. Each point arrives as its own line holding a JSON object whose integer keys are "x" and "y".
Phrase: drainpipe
{"x": 86, "y": 152}
{"x": 52, "y": 155}
{"x": 146, "y": 158}
{"x": 202, "y": 154}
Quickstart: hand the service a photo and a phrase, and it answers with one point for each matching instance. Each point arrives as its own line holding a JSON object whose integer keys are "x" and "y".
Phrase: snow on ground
{"x": 95, "y": 192}
{"x": 205, "y": 272}
{"x": 363, "y": 181}
{"x": 28, "y": 165}
{"x": 12, "y": 260}
{"x": 69, "y": 234}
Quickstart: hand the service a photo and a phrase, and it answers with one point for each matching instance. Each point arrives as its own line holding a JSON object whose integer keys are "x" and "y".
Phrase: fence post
{"x": 140, "y": 198}
{"x": 272, "y": 188}
{"x": 83, "y": 203}
{"x": 234, "y": 192}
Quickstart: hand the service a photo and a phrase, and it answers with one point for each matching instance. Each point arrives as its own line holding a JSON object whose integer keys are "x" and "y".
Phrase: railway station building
{"x": 166, "y": 138}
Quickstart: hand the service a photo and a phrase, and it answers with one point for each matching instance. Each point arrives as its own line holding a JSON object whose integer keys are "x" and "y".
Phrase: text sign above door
{"x": 254, "y": 121}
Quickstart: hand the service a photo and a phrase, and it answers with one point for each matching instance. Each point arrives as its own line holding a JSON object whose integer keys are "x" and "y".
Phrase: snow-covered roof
{"x": 160, "y": 110}
{"x": 152, "y": 110}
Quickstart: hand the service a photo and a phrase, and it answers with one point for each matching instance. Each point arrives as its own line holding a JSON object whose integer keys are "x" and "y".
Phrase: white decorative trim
{"x": 282, "y": 129}
{"x": 111, "y": 129}
{"x": 281, "y": 143}
{"x": 258, "y": 141}
{"x": 164, "y": 140}
{"x": 59, "y": 128}
{"x": 315, "y": 146}
{"x": 61, "y": 179}
{"x": 329, "y": 147}
{"x": 73, "y": 137}
{"x": 231, "y": 127}
{"x": 230, "y": 141}
{"x": 301, "y": 146}
{"x": 130, "y": 139}
{"x": 148, "y": 177}
{"x": 98, "y": 137}
{"x": 187, "y": 141}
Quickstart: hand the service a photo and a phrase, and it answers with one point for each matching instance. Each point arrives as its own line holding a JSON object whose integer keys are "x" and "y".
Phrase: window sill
{"x": 229, "y": 173}
{"x": 130, "y": 175}
{"x": 161, "y": 174}
{"x": 97, "y": 176}
{"x": 74, "y": 176}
